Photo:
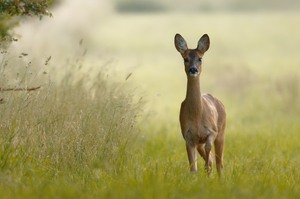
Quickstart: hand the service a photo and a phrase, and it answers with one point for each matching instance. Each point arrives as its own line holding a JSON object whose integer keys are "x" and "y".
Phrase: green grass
{"x": 90, "y": 135}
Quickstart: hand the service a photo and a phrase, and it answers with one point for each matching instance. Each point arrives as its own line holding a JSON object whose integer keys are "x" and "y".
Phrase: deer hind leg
{"x": 192, "y": 155}
{"x": 219, "y": 148}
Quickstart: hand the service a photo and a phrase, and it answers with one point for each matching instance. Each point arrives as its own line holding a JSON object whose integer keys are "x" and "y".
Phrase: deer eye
{"x": 200, "y": 59}
{"x": 185, "y": 60}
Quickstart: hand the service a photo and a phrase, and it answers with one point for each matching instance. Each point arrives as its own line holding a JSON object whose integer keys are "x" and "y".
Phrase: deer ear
{"x": 203, "y": 43}
{"x": 180, "y": 43}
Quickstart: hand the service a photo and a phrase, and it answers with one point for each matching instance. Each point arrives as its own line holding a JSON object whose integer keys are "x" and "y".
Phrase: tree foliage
{"x": 10, "y": 8}
{"x": 24, "y": 7}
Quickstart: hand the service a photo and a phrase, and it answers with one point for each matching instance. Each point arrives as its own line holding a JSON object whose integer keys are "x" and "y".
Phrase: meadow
{"x": 113, "y": 131}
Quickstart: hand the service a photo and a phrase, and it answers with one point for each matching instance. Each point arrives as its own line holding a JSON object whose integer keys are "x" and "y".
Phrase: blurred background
{"x": 253, "y": 58}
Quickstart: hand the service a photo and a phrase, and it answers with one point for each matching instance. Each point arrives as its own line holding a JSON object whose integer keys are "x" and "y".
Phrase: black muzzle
{"x": 193, "y": 71}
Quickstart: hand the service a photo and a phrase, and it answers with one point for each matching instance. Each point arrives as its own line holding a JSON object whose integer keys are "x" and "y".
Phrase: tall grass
{"x": 70, "y": 128}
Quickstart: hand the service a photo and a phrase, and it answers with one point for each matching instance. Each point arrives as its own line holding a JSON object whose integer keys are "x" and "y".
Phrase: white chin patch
{"x": 193, "y": 74}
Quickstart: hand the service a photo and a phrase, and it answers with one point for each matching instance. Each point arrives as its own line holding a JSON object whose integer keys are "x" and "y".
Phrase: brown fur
{"x": 202, "y": 117}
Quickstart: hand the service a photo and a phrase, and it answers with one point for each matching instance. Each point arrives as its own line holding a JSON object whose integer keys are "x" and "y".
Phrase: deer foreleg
{"x": 192, "y": 155}
{"x": 208, "y": 160}
{"x": 208, "y": 145}
{"x": 201, "y": 151}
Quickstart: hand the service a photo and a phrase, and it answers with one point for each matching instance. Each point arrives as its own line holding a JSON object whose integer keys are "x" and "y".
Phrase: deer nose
{"x": 193, "y": 71}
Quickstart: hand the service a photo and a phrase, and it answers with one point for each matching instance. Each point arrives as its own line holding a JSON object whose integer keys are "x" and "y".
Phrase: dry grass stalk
{"x": 20, "y": 89}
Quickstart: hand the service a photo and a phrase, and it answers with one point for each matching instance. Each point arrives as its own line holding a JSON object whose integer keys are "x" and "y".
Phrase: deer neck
{"x": 193, "y": 97}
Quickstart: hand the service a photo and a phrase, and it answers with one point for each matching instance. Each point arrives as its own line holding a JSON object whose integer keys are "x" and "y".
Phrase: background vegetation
{"x": 204, "y": 5}
{"x": 9, "y": 8}
{"x": 104, "y": 124}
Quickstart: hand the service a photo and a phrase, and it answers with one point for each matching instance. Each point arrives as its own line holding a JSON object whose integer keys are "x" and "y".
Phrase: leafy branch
{"x": 25, "y": 7}
{"x": 11, "y": 8}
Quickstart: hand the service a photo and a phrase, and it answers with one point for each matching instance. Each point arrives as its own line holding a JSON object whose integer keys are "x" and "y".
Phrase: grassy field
{"x": 97, "y": 135}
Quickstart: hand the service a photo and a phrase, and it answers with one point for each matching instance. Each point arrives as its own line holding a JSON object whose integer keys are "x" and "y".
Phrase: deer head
{"x": 192, "y": 57}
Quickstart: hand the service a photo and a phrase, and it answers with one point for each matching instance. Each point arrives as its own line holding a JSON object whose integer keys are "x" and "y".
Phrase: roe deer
{"x": 202, "y": 117}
